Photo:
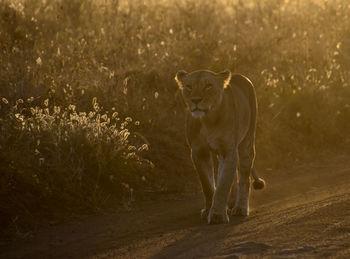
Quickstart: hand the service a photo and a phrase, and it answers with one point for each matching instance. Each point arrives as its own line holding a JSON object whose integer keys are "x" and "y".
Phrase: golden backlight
{"x": 93, "y": 122}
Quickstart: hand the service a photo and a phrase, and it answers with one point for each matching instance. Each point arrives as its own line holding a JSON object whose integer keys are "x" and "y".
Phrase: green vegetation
{"x": 90, "y": 113}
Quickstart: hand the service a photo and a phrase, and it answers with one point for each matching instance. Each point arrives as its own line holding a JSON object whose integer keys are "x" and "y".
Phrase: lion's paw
{"x": 204, "y": 214}
{"x": 216, "y": 218}
{"x": 239, "y": 211}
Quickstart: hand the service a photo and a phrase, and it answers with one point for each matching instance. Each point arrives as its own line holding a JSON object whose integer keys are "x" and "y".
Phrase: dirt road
{"x": 303, "y": 212}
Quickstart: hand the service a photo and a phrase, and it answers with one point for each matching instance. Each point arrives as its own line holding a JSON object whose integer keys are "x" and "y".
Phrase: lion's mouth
{"x": 198, "y": 109}
{"x": 198, "y": 112}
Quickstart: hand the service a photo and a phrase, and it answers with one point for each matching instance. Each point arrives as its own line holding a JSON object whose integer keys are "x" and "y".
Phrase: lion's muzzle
{"x": 198, "y": 112}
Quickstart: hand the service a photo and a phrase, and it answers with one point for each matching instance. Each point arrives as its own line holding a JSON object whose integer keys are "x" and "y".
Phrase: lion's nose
{"x": 196, "y": 100}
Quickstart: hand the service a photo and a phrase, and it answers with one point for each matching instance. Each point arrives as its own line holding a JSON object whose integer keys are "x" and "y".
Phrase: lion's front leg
{"x": 227, "y": 169}
{"x": 203, "y": 163}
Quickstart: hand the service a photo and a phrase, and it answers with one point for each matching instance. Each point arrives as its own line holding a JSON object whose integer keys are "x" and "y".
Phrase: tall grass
{"x": 89, "y": 110}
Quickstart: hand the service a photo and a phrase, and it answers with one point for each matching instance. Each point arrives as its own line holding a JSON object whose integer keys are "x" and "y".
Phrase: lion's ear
{"x": 179, "y": 76}
{"x": 226, "y": 77}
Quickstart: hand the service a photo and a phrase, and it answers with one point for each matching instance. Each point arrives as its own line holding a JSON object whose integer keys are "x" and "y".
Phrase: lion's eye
{"x": 208, "y": 87}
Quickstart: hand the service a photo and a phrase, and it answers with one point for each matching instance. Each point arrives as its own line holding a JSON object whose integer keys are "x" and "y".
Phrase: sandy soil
{"x": 303, "y": 212}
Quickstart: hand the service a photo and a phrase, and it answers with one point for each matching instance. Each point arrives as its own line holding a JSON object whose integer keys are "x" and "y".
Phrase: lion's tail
{"x": 258, "y": 183}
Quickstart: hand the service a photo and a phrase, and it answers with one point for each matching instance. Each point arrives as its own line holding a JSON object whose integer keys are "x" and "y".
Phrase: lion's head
{"x": 202, "y": 90}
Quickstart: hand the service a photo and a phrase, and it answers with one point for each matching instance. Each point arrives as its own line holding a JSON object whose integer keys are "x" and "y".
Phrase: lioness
{"x": 220, "y": 129}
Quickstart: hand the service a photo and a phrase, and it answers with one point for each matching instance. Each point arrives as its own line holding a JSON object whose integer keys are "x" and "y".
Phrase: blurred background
{"x": 91, "y": 117}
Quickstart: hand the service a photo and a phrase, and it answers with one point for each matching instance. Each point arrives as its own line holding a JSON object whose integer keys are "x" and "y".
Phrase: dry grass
{"x": 87, "y": 87}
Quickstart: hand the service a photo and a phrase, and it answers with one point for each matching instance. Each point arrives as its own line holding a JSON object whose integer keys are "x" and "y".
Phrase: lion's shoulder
{"x": 242, "y": 83}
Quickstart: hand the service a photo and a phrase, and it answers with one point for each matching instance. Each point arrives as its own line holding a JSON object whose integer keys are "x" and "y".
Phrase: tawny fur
{"x": 220, "y": 130}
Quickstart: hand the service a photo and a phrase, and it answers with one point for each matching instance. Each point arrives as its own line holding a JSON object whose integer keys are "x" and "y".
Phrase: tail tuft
{"x": 259, "y": 184}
